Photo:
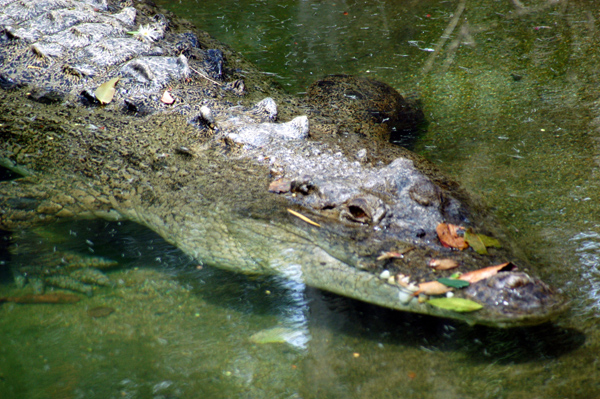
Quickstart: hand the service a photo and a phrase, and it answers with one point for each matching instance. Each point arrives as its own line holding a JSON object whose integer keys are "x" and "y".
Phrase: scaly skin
{"x": 210, "y": 191}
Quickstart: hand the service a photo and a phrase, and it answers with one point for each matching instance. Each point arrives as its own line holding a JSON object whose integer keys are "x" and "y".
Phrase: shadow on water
{"x": 5, "y": 275}
{"x": 481, "y": 344}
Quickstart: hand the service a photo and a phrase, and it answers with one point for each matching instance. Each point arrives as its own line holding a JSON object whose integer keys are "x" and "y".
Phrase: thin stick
{"x": 206, "y": 77}
{"x": 301, "y": 216}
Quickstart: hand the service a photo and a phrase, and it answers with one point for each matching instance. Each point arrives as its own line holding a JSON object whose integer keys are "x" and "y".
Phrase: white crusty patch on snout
{"x": 261, "y": 134}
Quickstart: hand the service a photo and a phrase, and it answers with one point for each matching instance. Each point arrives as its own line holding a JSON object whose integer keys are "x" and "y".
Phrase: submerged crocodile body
{"x": 318, "y": 198}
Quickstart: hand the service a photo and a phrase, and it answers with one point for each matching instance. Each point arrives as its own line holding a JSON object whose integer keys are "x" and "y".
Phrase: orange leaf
{"x": 448, "y": 235}
{"x": 443, "y": 264}
{"x": 486, "y": 272}
{"x": 432, "y": 288}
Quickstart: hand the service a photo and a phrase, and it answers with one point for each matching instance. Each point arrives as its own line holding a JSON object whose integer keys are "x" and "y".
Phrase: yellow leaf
{"x": 489, "y": 241}
{"x": 106, "y": 91}
{"x": 475, "y": 241}
{"x": 455, "y": 304}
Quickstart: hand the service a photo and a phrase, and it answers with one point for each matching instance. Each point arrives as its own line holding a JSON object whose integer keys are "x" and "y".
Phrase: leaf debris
{"x": 443, "y": 264}
{"x": 106, "y": 91}
{"x": 486, "y": 272}
{"x": 455, "y": 304}
{"x": 449, "y": 236}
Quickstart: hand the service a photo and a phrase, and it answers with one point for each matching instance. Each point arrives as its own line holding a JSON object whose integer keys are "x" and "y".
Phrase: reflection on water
{"x": 299, "y": 41}
{"x": 588, "y": 251}
{"x": 180, "y": 329}
{"x": 510, "y": 97}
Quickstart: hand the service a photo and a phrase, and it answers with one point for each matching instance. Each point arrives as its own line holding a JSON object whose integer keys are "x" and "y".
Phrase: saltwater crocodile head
{"x": 367, "y": 225}
{"x": 368, "y": 229}
{"x": 222, "y": 194}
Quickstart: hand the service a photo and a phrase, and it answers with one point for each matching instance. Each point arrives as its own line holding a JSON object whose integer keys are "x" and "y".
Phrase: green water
{"x": 511, "y": 103}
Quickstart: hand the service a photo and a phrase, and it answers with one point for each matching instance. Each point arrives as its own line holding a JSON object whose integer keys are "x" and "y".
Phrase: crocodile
{"x": 234, "y": 171}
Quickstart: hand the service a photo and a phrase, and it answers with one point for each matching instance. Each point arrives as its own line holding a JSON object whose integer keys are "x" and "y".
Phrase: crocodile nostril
{"x": 425, "y": 193}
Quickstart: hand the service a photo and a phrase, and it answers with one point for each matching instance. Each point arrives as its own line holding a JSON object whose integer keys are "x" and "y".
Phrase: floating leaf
{"x": 480, "y": 242}
{"x": 486, "y": 272}
{"x": 443, "y": 264}
{"x": 489, "y": 241}
{"x": 275, "y": 335}
{"x": 449, "y": 237}
{"x": 432, "y": 288}
{"x": 475, "y": 242}
{"x": 455, "y": 304}
{"x": 106, "y": 91}
{"x": 454, "y": 283}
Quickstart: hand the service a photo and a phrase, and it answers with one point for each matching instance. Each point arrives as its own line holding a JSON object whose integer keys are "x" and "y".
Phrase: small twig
{"x": 463, "y": 37}
{"x": 302, "y": 217}
{"x": 206, "y": 77}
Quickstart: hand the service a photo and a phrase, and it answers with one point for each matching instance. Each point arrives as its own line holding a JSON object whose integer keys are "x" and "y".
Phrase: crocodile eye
{"x": 358, "y": 214}
{"x": 364, "y": 210}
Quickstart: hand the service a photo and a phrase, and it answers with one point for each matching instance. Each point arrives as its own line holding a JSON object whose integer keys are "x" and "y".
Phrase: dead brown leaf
{"x": 280, "y": 186}
{"x": 486, "y": 272}
{"x": 432, "y": 288}
{"x": 449, "y": 237}
{"x": 394, "y": 254}
{"x": 443, "y": 264}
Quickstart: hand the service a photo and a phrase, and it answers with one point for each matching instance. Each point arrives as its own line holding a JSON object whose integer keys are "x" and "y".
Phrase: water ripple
{"x": 588, "y": 252}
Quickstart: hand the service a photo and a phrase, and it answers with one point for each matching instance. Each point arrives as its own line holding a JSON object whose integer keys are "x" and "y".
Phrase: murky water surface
{"x": 510, "y": 95}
